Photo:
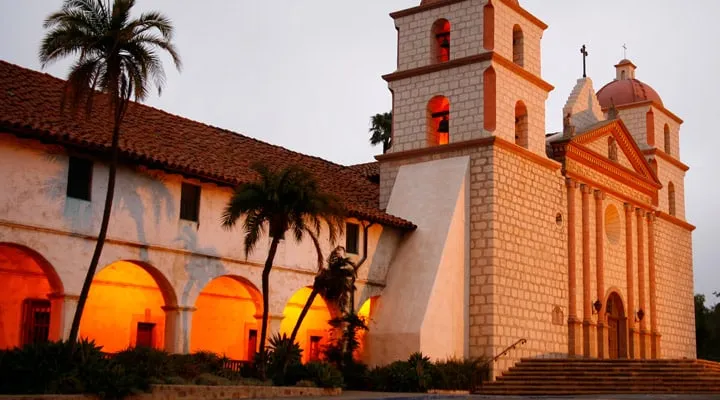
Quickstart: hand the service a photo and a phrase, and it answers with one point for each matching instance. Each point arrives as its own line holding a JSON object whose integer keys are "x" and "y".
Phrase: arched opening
{"x": 518, "y": 46}
{"x": 489, "y": 99}
{"x": 671, "y": 199}
{"x": 440, "y": 41}
{"x": 622, "y": 75}
{"x": 365, "y": 312}
{"x": 617, "y": 326}
{"x": 612, "y": 149}
{"x": 226, "y": 318}
{"x": 438, "y": 121}
{"x": 521, "y": 124}
{"x": 125, "y": 307}
{"x": 666, "y": 139}
{"x": 26, "y": 281}
{"x": 314, "y": 333}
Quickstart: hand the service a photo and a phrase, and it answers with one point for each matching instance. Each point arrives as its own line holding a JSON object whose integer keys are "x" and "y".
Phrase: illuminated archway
{"x": 440, "y": 41}
{"x": 125, "y": 307}
{"x": 226, "y": 318}
{"x": 314, "y": 333}
{"x": 365, "y": 312}
{"x": 26, "y": 281}
{"x": 438, "y": 121}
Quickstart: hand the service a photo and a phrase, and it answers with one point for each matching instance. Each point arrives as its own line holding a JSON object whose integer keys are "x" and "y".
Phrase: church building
{"x": 476, "y": 232}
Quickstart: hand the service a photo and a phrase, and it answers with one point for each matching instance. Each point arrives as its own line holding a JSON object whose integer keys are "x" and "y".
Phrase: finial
{"x": 568, "y": 127}
{"x": 624, "y": 46}
{"x": 612, "y": 112}
{"x": 585, "y": 53}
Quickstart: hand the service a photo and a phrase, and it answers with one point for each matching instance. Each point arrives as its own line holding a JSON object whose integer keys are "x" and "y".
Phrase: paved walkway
{"x": 414, "y": 396}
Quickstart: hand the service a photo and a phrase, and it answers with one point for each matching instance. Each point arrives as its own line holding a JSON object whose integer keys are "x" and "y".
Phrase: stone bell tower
{"x": 468, "y": 166}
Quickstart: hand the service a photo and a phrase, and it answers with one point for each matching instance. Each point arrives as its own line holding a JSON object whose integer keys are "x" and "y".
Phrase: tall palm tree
{"x": 334, "y": 283}
{"x": 381, "y": 129}
{"x": 281, "y": 200}
{"x": 117, "y": 56}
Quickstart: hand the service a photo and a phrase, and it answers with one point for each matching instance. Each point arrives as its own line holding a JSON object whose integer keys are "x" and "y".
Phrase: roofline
{"x": 646, "y": 103}
{"x": 515, "y": 7}
{"x": 666, "y": 157}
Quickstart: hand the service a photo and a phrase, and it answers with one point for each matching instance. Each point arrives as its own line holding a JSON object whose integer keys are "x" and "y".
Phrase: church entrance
{"x": 617, "y": 327}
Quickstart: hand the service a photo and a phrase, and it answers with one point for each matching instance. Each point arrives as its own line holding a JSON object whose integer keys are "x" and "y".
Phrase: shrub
{"x": 190, "y": 366}
{"x": 211, "y": 380}
{"x": 305, "y": 383}
{"x": 454, "y": 374}
{"x": 324, "y": 375}
{"x": 284, "y": 367}
{"x": 356, "y": 375}
{"x": 146, "y": 361}
{"x": 175, "y": 380}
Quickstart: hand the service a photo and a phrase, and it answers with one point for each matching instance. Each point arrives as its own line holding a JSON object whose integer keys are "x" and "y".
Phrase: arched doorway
{"x": 617, "y": 326}
{"x": 226, "y": 318}
{"x": 125, "y": 307}
{"x": 314, "y": 333}
{"x": 26, "y": 282}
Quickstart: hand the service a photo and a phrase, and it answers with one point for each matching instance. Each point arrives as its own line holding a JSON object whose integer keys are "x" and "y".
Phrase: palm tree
{"x": 281, "y": 200}
{"x": 117, "y": 56}
{"x": 334, "y": 283}
{"x": 381, "y": 129}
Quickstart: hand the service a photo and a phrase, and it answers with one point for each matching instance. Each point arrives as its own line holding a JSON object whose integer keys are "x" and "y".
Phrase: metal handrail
{"x": 507, "y": 349}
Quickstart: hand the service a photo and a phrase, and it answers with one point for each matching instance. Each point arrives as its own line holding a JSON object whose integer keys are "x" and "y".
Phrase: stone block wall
{"x": 635, "y": 120}
{"x": 505, "y": 20}
{"x": 660, "y": 119}
{"x": 667, "y": 173}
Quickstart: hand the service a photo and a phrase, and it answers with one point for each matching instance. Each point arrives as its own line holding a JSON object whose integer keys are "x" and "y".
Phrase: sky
{"x": 305, "y": 74}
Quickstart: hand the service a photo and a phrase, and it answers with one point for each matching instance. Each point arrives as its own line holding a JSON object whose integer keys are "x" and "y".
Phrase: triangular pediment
{"x": 594, "y": 146}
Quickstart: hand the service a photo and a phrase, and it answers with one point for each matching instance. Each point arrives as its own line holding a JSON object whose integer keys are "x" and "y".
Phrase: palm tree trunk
{"x": 266, "y": 291}
{"x": 302, "y": 315}
{"x": 114, "y": 150}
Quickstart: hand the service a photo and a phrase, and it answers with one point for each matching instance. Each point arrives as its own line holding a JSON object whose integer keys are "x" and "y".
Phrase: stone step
{"x": 569, "y": 378}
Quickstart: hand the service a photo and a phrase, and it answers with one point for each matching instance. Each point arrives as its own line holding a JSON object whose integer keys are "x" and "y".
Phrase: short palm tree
{"x": 117, "y": 56}
{"x": 334, "y": 283}
{"x": 381, "y": 129}
{"x": 281, "y": 200}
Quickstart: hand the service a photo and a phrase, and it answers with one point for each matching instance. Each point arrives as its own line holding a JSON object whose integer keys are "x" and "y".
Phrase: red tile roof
{"x": 368, "y": 170}
{"x": 30, "y": 106}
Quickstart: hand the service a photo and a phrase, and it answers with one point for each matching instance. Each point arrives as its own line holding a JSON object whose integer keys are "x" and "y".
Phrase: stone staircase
{"x": 590, "y": 376}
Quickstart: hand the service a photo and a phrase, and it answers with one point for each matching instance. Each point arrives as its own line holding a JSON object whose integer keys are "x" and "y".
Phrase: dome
{"x": 625, "y": 89}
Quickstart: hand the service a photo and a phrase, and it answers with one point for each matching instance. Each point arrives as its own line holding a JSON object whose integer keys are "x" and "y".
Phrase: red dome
{"x": 626, "y": 91}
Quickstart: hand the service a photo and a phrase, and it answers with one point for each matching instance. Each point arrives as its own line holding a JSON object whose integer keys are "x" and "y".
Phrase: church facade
{"x": 477, "y": 230}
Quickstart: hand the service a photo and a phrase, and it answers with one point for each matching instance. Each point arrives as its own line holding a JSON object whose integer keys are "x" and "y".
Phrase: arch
{"x": 521, "y": 124}
{"x": 489, "y": 27}
{"x": 622, "y": 75}
{"x": 489, "y": 99}
{"x": 614, "y": 312}
{"x": 227, "y": 318}
{"x": 126, "y": 306}
{"x": 438, "y": 121}
{"x": 612, "y": 149}
{"x": 366, "y": 312}
{"x": 440, "y": 41}
{"x": 27, "y": 282}
{"x": 518, "y": 45}
{"x": 671, "y": 199}
{"x": 315, "y": 331}
{"x": 666, "y": 140}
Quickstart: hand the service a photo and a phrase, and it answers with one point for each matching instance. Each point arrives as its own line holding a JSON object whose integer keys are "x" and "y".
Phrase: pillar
{"x": 573, "y": 320}
{"x": 654, "y": 334}
{"x": 640, "y": 214}
{"x": 62, "y": 311}
{"x": 630, "y": 307}
{"x": 589, "y": 330}
{"x": 178, "y": 327}
{"x": 602, "y": 330}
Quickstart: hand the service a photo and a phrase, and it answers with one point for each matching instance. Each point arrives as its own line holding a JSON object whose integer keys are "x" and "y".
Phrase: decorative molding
{"x": 666, "y": 157}
{"x": 652, "y": 103}
{"x": 423, "y": 8}
{"x": 607, "y": 189}
{"x": 527, "y": 154}
{"x": 515, "y": 6}
{"x": 675, "y": 220}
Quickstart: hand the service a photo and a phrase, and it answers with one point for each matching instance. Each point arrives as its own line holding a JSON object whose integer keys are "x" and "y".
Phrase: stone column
{"x": 602, "y": 337}
{"x": 629, "y": 267}
{"x": 62, "y": 311}
{"x": 640, "y": 213}
{"x": 589, "y": 345}
{"x": 655, "y": 335}
{"x": 178, "y": 328}
{"x": 573, "y": 320}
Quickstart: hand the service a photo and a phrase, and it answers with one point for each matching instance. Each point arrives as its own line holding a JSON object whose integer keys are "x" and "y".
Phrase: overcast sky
{"x": 305, "y": 74}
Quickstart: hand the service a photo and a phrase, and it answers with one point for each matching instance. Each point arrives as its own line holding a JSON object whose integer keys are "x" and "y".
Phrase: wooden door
{"x": 252, "y": 344}
{"x": 613, "y": 338}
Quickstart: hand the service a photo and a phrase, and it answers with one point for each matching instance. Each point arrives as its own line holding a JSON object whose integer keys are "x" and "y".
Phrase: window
{"x": 144, "y": 336}
{"x": 438, "y": 121}
{"x": 79, "y": 178}
{"x": 315, "y": 348}
{"x": 671, "y": 199}
{"x": 518, "y": 46}
{"x": 35, "y": 321}
{"x": 352, "y": 236}
{"x": 252, "y": 344}
{"x": 612, "y": 149}
{"x": 190, "y": 202}
{"x": 440, "y": 41}
{"x": 521, "y": 125}
{"x": 667, "y": 140}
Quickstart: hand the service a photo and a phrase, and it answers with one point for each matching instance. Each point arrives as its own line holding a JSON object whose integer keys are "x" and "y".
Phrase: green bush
{"x": 356, "y": 375}
{"x": 454, "y": 374}
{"x": 211, "y": 380}
{"x": 305, "y": 383}
{"x": 284, "y": 367}
{"x": 175, "y": 380}
{"x": 324, "y": 375}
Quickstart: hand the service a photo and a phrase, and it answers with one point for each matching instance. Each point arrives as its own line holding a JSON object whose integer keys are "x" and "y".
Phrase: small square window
{"x": 352, "y": 236}
{"x": 190, "y": 202}
{"x": 79, "y": 178}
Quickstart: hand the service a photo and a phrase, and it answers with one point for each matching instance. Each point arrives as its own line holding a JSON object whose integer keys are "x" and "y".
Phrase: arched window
{"x": 667, "y": 139}
{"x": 518, "y": 46}
{"x": 521, "y": 125}
{"x": 612, "y": 149}
{"x": 671, "y": 198}
{"x": 440, "y": 41}
{"x": 622, "y": 75}
{"x": 438, "y": 121}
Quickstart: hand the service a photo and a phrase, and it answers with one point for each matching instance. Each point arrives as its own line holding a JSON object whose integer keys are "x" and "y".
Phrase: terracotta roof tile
{"x": 30, "y": 105}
